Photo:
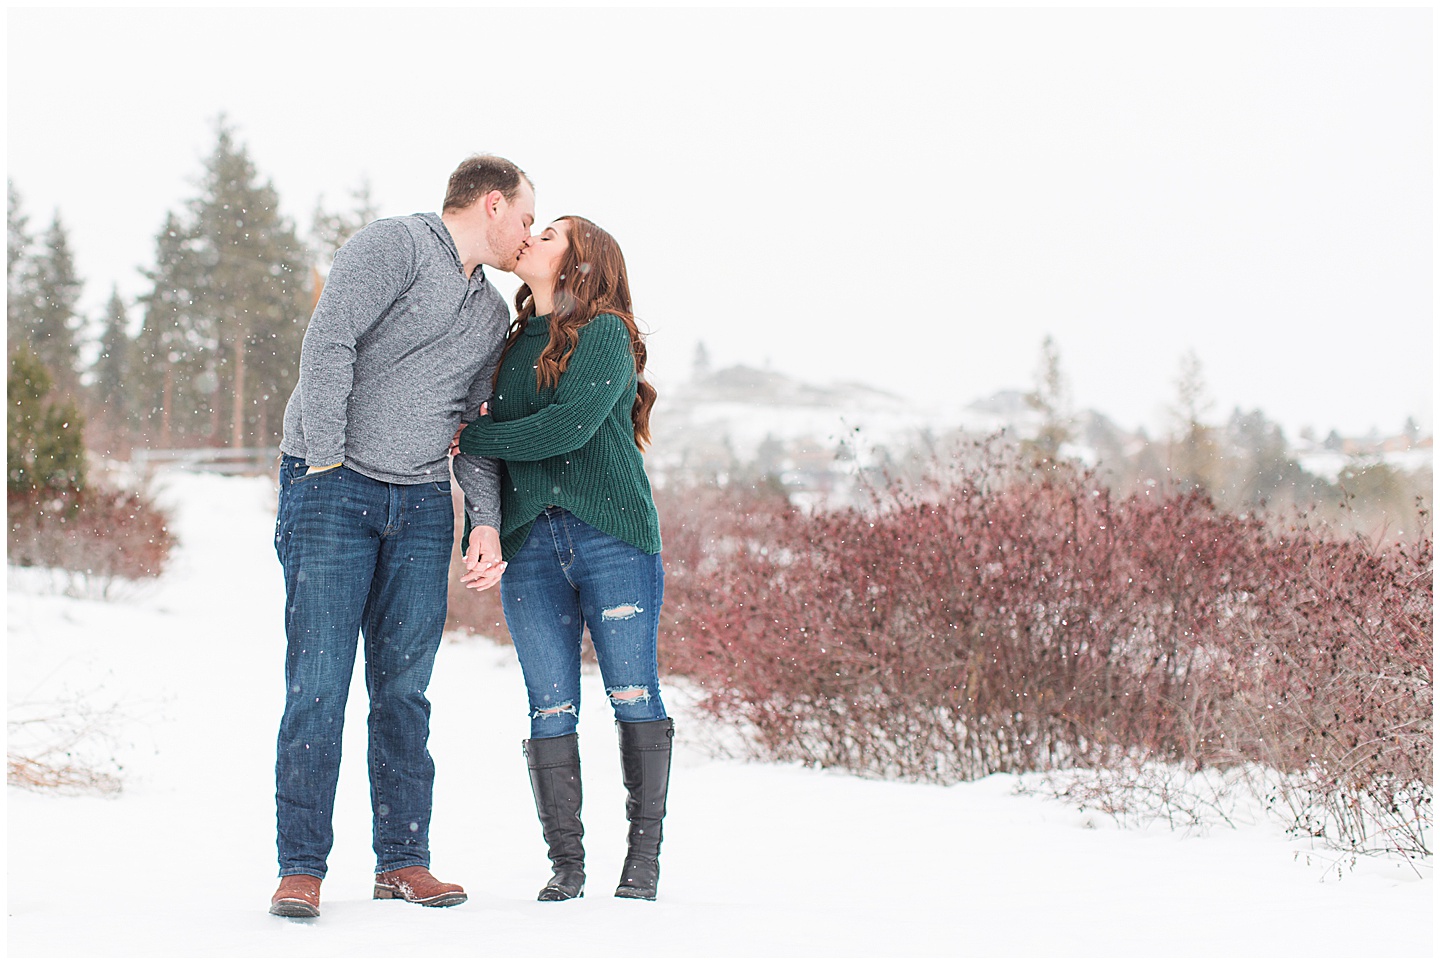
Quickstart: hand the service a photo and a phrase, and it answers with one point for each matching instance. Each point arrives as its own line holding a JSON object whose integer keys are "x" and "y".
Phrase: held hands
{"x": 483, "y": 565}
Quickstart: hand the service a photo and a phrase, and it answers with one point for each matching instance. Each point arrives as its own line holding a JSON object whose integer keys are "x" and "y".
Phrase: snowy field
{"x": 759, "y": 860}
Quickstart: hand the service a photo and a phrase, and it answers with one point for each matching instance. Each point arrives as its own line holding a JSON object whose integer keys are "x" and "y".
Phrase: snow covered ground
{"x": 759, "y": 860}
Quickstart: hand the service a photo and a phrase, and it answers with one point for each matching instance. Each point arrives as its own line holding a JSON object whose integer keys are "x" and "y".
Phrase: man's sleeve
{"x": 372, "y": 270}
{"x": 479, "y": 476}
{"x": 479, "y": 479}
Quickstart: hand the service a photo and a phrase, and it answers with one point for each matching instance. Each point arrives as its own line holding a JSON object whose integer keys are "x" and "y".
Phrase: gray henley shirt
{"x": 401, "y": 349}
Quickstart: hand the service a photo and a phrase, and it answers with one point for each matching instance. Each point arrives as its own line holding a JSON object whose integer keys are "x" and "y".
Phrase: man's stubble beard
{"x": 497, "y": 245}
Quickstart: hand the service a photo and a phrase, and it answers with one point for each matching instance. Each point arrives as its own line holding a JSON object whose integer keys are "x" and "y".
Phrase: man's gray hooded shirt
{"x": 402, "y": 347}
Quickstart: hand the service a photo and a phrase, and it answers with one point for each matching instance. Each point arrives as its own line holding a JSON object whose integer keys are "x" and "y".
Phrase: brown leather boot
{"x": 418, "y": 885}
{"x": 297, "y": 897}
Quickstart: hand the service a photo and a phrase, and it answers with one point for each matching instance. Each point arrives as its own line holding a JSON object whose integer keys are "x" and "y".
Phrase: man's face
{"x": 508, "y": 226}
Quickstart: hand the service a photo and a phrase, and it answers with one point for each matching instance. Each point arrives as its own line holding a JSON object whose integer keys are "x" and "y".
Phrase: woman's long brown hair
{"x": 592, "y": 281}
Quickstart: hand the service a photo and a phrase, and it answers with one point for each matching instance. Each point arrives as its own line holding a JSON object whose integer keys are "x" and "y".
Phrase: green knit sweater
{"x": 572, "y": 445}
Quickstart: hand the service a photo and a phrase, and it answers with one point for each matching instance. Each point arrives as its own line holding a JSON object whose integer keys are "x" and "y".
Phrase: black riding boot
{"x": 555, "y": 779}
{"x": 645, "y": 763}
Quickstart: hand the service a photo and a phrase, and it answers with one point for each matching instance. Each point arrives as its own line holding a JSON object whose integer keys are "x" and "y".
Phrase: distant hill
{"x": 736, "y": 411}
{"x": 816, "y": 442}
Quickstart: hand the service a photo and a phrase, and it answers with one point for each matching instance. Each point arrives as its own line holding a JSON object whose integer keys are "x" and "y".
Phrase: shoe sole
{"x": 623, "y": 893}
{"x": 294, "y": 908}
{"x": 555, "y": 894}
{"x": 439, "y": 901}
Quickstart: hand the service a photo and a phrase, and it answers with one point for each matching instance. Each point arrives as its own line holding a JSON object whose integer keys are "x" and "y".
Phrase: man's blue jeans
{"x": 570, "y": 575}
{"x": 371, "y": 558}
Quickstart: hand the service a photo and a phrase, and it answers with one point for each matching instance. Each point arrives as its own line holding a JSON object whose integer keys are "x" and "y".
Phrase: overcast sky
{"x": 908, "y": 199}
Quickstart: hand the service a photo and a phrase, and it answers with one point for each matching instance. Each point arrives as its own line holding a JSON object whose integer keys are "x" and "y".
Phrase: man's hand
{"x": 483, "y": 565}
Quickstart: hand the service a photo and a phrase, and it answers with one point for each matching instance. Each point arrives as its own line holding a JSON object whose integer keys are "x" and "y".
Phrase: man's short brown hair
{"x": 480, "y": 174}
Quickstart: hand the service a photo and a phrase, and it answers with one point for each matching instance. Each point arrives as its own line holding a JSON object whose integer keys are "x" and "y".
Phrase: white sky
{"x": 910, "y": 199}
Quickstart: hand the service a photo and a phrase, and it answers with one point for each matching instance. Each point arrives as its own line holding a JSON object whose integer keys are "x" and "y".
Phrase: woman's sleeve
{"x": 601, "y": 371}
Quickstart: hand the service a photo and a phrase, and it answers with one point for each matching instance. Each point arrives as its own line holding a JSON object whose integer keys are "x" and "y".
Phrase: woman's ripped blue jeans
{"x": 570, "y": 575}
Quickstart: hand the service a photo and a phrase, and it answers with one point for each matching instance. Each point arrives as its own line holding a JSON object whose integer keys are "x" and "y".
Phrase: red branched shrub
{"x": 100, "y": 533}
{"x": 1340, "y": 687}
{"x": 1004, "y": 618}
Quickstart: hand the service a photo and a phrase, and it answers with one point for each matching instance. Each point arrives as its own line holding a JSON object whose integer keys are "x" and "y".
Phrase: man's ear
{"x": 492, "y": 202}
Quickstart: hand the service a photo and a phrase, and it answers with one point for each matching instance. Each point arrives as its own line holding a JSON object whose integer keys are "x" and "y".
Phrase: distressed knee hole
{"x": 629, "y": 695}
{"x": 625, "y": 611}
{"x": 566, "y": 708}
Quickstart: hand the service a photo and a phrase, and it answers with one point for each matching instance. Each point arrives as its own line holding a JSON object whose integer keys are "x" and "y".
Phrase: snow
{"x": 759, "y": 859}
{"x": 1328, "y": 465}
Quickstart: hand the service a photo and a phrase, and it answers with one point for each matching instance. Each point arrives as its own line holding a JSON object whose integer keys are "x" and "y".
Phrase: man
{"x": 402, "y": 345}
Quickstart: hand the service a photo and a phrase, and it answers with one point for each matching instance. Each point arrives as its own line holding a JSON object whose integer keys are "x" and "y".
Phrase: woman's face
{"x": 540, "y": 259}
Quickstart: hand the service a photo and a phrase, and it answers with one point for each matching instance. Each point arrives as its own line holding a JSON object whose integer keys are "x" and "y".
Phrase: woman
{"x": 580, "y": 536}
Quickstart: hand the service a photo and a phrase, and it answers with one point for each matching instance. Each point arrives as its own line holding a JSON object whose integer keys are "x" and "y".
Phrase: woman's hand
{"x": 483, "y": 562}
{"x": 455, "y": 440}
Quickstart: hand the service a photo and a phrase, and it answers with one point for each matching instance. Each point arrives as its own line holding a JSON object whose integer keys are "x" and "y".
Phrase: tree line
{"x": 211, "y": 363}
{"x": 214, "y": 357}
{"x": 1244, "y": 463}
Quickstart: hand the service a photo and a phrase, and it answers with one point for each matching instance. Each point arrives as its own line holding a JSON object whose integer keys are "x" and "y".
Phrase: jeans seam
{"x": 394, "y": 521}
{"x": 559, "y": 553}
{"x": 377, "y": 783}
{"x": 657, "y": 594}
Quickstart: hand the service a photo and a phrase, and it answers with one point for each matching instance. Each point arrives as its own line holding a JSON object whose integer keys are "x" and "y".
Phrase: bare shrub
{"x": 1004, "y": 616}
{"x": 102, "y": 535}
{"x": 1340, "y": 697}
{"x": 62, "y": 748}
{"x": 1139, "y": 793}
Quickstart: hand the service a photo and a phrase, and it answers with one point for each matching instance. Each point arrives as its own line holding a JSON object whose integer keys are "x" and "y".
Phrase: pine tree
{"x": 1261, "y": 468}
{"x": 51, "y": 323}
{"x": 252, "y": 290}
{"x": 1411, "y": 432}
{"x": 110, "y": 392}
{"x": 329, "y": 230}
{"x": 701, "y": 366}
{"x": 1050, "y": 399}
{"x": 44, "y": 441}
{"x": 172, "y": 366}
{"x": 223, "y": 322}
{"x": 19, "y": 272}
{"x": 1194, "y": 453}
